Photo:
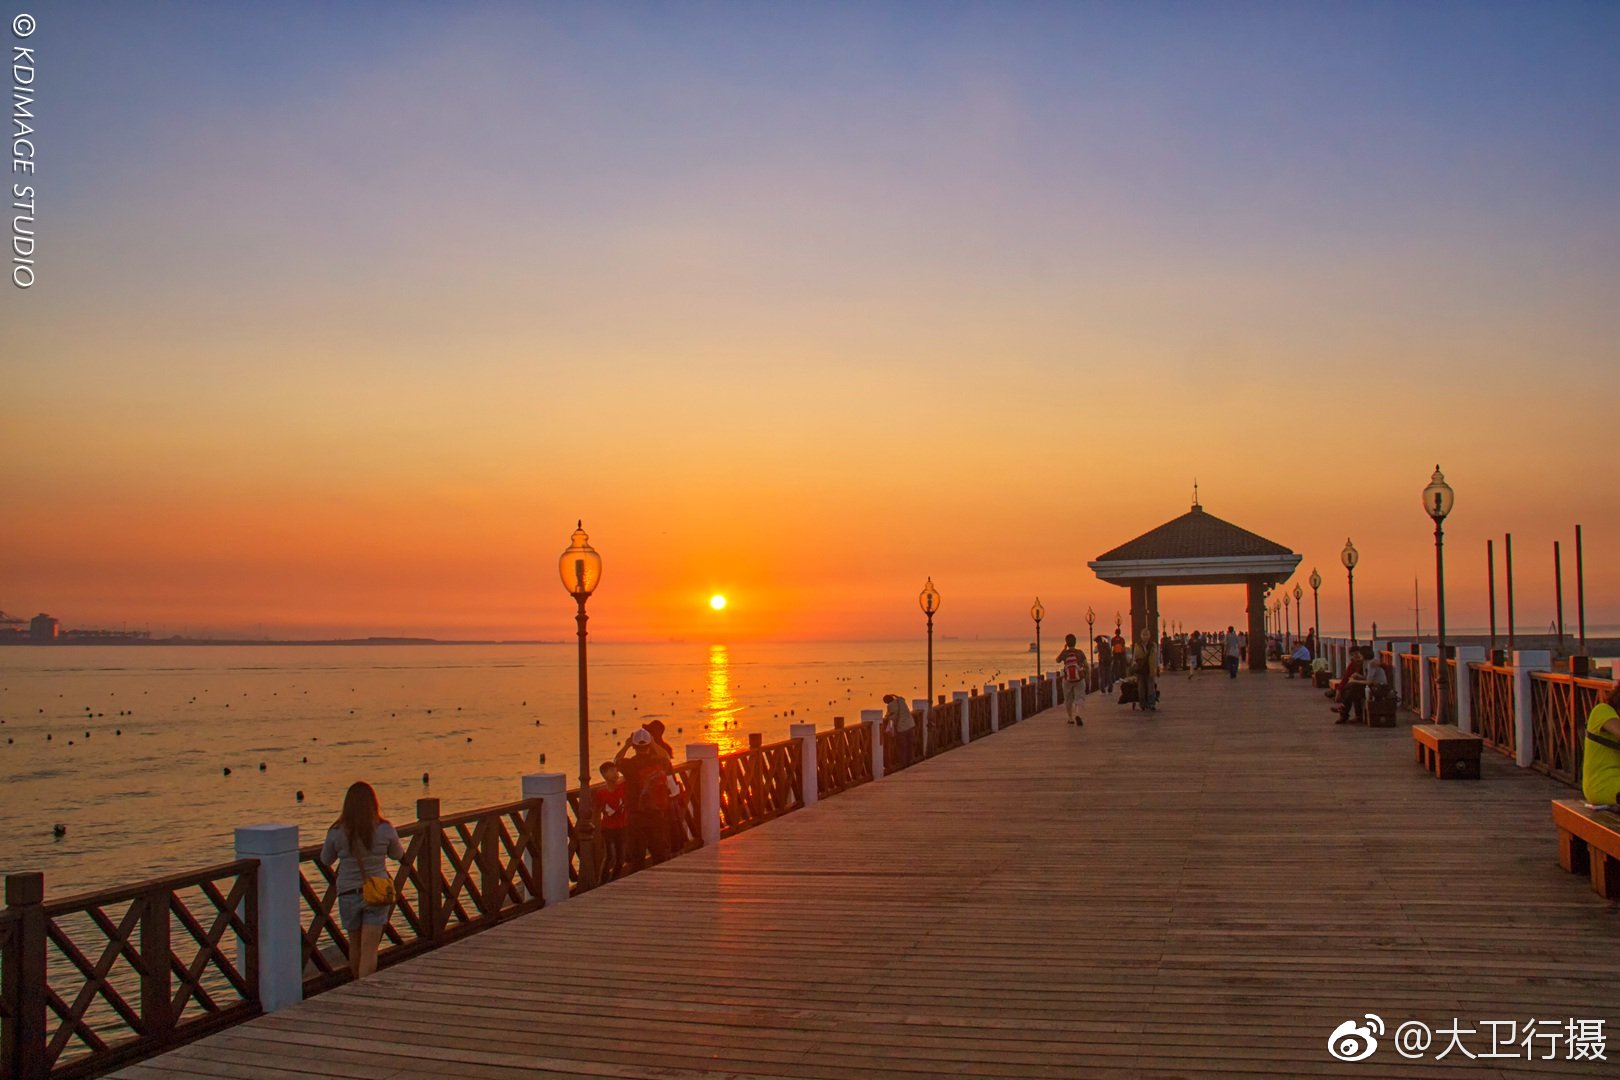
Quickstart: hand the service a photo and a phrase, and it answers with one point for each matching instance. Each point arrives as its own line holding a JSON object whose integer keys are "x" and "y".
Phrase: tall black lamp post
{"x": 1316, "y": 609}
{"x": 1437, "y": 501}
{"x": 1299, "y": 613}
{"x": 1350, "y": 556}
{"x": 1037, "y": 612}
{"x": 928, "y": 600}
{"x": 581, "y": 568}
{"x": 1288, "y": 627}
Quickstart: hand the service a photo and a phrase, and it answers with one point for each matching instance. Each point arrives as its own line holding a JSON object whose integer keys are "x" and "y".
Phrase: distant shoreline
{"x": 76, "y": 642}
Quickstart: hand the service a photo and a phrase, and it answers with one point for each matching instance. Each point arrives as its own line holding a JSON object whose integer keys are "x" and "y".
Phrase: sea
{"x": 148, "y": 757}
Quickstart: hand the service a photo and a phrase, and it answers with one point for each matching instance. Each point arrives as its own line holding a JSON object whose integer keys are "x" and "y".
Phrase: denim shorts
{"x": 353, "y": 911}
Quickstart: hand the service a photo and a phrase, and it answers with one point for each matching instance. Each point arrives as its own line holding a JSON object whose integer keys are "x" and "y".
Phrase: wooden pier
{"x": 1209, "y": 890}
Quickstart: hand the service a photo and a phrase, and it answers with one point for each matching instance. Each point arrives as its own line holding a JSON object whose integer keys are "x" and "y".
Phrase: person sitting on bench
{"x": 1298, "y": 662}
{"x": 1600, "y": 772}
{"x": 1367, "y": 685}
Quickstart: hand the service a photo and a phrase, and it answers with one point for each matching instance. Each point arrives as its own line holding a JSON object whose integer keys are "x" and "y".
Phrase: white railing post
{"x": 1524, "y": 662}
{"x": 551, "y": 788}
{"x": 1017, "y": 687}
{"x": 1465, "y": 698}
{"x": 1397, "y": 683}
{"x": 1425, "y": 687}
{"x": 708, "y": 790}
{"x": 960, "y": 697}
{"x": 280, "y": 929}
{"x": 994, "y": 695}
{"x": 873, "y": 718}
{"x": 806, "y": 734}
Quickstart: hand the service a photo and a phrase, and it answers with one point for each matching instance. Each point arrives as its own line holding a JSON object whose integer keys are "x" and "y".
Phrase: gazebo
{"x": 1197, "y": 548}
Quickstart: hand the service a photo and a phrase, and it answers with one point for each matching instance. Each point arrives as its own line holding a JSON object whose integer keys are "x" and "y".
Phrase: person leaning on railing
{"x": 364, "y": 842}
{"x": 1600, "y": 772}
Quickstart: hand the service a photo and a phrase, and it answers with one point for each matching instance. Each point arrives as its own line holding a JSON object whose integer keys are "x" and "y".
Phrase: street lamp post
{"x": 1299, "y": 613}
{"x": 1349, "y": 557}
{"x": 581, "y": 568}
{"x": 1037, "y": 612}
{"x": 1287, "y": 627}
{"x": 1091, "y": 626}
{"x": 1316, "y": 609}
{"x": 1437, "y": 502}
{"x": 928, "y": 600}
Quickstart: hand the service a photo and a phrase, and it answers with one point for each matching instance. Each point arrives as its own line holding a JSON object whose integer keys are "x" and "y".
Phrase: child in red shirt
{"x": 611, "y": 810}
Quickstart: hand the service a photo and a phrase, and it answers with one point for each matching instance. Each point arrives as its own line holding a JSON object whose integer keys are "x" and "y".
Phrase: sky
{"x": 345, "y": 313}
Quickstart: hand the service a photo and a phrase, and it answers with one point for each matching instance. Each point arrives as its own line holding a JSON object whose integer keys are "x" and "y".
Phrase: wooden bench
{"x": 1589, "y": 843}
{"x": 1448, "y": 753}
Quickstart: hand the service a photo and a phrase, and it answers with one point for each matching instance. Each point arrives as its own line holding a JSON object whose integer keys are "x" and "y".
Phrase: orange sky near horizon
{"x": 329, "y": 355}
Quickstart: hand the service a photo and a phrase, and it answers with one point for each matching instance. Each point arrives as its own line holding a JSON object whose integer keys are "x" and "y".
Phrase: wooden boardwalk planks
{"x": 1208, "y": 891}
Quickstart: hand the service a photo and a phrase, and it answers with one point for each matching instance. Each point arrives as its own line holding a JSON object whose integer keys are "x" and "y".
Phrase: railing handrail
{"x": 120, "y": 893}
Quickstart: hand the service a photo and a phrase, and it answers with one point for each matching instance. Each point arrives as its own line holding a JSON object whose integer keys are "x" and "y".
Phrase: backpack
{"x": 1071, "y": 668}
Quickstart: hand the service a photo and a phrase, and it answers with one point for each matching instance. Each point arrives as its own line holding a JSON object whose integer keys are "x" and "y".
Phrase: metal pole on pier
{"x": 1507, "y": 552}
{"x": 1558, "y": 588}
{"x": 1580, "y": 589}
{"x": 1490, "y": 573}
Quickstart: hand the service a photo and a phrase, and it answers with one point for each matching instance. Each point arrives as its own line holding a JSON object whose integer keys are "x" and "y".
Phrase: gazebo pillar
{"x": 1139, "y": 608}
{"x": 1257, "y": 624}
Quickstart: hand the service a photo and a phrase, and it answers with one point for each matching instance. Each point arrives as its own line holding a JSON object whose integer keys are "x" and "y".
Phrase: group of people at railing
{"x": 637, "y": 806}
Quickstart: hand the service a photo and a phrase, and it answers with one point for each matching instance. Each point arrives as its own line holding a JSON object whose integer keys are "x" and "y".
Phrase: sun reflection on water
{"x": 723, "y": 709}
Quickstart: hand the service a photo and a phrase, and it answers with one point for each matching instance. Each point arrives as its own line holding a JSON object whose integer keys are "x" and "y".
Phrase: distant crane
{"x": 11, "y": 620}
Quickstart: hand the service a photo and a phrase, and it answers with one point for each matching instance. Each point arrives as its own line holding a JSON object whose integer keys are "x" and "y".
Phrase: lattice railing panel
{"x": 130, "y": 971}
{"x": 1490, "y": 692}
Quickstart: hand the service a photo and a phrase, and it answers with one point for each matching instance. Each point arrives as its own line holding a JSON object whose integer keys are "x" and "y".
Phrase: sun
{"x": 717, "y": 602}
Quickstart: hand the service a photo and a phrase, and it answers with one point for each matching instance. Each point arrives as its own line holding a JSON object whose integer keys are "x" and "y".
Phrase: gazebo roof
{"x": 1196, "y": 548}
{"x": 1197, "y": 534}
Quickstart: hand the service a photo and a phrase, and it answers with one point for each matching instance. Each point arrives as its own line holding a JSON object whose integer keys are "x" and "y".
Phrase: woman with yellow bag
{"x": 364, "y": 842}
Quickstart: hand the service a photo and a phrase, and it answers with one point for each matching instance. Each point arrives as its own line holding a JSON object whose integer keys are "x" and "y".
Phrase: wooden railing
{"x": 93, "y": 981}
{"x": 1490, "y": 699}
{"x": 978, "y": 716}
{"x": 759, "y": 784}
{"x": 1559, "y": 706}
{"x": 1006, "y": 705}
{"x": 1031, "y": 692}
{"x": 459, "y": 875}
{"x": 1432, "y": 669}
{"x": 843, "y": 759}
{"x": 1411, "y": 690}
{"x": 944, "y": 727}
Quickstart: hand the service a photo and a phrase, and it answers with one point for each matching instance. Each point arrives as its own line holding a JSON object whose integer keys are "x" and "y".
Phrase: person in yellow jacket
{"x": 1600, "y": 772}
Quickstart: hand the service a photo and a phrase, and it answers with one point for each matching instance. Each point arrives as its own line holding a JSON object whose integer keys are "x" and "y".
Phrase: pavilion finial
{"x": 1195, "y": 504}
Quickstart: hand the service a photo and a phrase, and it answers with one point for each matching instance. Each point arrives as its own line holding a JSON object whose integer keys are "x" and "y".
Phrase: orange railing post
{"x": 429, "y": 879}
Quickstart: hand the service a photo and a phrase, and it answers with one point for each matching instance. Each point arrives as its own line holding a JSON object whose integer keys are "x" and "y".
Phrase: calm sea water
{"x": 127, "y": 746}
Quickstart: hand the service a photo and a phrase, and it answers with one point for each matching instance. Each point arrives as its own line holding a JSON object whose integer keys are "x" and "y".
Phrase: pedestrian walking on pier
{"x": 899, "y": 724}
{"x": 1072, "y": 662}
{"x": 361, "y": 842}
{"x": 1196, "y": 644}
{"x": 1232, "y": 651}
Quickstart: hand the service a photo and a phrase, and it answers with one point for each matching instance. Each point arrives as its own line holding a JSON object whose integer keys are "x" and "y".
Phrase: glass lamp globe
{"x": 1299, "y": 593}
{"x": 1349, "y": 556}
{"x": 1438, "y": 496}
{"x": 1036, "y": 611}
{"x": 928, "y": 599}
{"x": 1316, "y": 579}
{"x": 580, "y": 567}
